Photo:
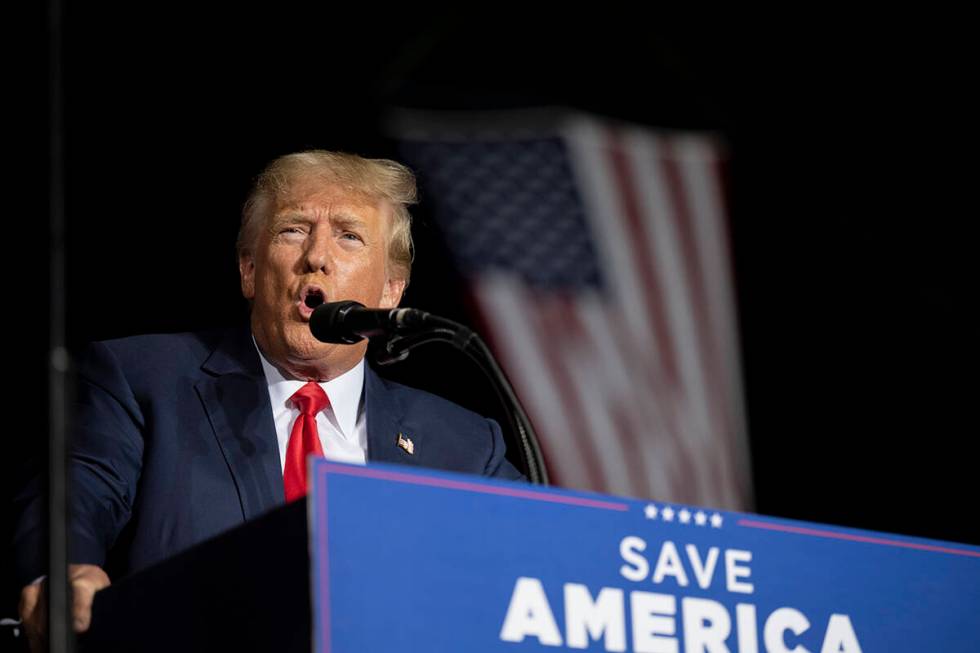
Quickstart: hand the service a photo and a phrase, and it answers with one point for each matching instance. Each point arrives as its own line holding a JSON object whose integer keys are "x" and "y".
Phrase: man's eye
{"x": 348, "y": 235}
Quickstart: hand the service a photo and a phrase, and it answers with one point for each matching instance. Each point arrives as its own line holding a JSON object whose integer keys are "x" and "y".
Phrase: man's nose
{"x": 318, "y": 250}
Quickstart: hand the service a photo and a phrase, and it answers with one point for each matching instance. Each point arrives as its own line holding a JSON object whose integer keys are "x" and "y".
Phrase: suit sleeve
{"x": 106, "y": 455}
{"x": 498, "y": 466}
{"x": 106, "y": 451}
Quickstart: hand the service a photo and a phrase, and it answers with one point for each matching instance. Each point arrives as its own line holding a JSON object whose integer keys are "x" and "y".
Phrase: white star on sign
{"x": 716, "y": 520}
{"x": 650, "y": 511}
{"x": 667, "y": 513}
{"x": 684, "y": 515}
{"x": 700, "y": 518}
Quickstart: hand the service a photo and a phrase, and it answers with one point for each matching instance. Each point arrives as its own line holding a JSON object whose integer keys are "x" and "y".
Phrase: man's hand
{"x": 84, "y": 581}
{"x": 33, "y": 615}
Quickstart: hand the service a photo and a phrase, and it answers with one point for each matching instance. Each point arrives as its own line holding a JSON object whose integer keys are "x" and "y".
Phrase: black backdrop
{"x": 852, "y": 152}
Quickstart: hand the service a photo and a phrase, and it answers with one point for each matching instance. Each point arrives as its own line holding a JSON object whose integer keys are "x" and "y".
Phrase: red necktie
{"x": 304, "y": 439}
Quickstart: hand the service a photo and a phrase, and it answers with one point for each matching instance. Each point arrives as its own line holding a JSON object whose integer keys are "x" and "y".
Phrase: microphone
{"x": 349, "y": 322}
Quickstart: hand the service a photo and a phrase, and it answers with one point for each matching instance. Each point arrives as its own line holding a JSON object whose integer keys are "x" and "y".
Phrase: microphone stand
{"x": 397, "y": 349}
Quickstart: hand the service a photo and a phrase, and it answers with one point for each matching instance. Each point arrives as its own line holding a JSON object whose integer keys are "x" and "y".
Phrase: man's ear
{"x": 392, "y": 293}
{"x": 246, "y": 270}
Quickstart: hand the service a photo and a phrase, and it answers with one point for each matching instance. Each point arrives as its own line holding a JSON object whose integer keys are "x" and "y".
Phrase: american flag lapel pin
{"x": 406, "y": 444}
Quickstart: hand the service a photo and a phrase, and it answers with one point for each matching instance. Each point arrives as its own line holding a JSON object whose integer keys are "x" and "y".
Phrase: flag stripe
{"x": 615, "y": 439}
{"x": 713, "y": 380}
{"x": 501, "y": 301}
{"x": 694, "y": 166}
{"x": 644, "y": 255}
{"x": 641, "y": 241}
{"x": 660, "y": 231}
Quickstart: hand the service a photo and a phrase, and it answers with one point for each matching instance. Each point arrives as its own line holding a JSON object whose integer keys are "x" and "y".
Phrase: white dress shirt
{"x": 341, "y": 426}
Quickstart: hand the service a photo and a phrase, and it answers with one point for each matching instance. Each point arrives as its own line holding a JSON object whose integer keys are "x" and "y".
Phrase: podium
{"x": 383, "y": 558}
{"x": 245, "y": 590}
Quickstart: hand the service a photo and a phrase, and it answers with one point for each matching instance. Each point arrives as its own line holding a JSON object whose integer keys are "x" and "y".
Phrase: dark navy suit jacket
{"x": 173, "y": 442}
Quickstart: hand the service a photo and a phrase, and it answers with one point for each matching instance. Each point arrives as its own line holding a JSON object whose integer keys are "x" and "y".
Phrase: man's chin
{"x": 327, "y": 358}
{"x": 304, "y": 347}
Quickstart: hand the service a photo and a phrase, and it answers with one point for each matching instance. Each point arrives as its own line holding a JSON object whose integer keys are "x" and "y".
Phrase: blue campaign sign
{"x": 410, "y": 561}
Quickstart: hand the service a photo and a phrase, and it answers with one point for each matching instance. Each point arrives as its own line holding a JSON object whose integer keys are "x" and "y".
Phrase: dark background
{"x": 852, "y": 157}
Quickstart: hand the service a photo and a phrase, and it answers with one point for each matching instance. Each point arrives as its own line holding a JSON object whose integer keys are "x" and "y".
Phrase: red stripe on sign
{"x": 814, "y": 532}
{"x": 516, "y": 492}
{"x": 324, "y": 575}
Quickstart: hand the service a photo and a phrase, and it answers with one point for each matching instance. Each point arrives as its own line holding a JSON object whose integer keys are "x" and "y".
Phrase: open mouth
{"x": 314, "y": 297}
{"x": 310, "y": 298}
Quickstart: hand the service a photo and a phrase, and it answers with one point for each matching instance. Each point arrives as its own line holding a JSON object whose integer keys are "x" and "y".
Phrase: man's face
{"x": 319, "y": 239}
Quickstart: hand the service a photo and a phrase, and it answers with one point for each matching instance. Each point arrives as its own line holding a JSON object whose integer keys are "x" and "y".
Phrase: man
{"x": 179, "y": 437}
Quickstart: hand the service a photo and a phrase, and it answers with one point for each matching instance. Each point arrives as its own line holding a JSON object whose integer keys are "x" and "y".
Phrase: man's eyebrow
{"x": 347, "y": 220}
{"x": 291, "y": 217}
{"x": 337, "y": 220}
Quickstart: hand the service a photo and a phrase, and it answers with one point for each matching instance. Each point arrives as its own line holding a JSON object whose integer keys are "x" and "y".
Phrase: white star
{"x": 716, "y": 520}
{"x": 684, "y": 515}
{"x": 667, "y": 513}
{"x": 650, "y": 511}
{"x": 700, "y": 518}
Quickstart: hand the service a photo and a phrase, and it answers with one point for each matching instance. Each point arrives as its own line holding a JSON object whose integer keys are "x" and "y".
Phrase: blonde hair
{"x": 381, "y": 179}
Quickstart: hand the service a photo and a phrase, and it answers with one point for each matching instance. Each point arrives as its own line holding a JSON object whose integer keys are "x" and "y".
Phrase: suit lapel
{"x": 385, "y": 426}
{"x": 236, "y": 399}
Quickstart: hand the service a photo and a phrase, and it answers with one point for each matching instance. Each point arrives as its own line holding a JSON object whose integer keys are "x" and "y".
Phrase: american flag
{"x": 598, "y": 258}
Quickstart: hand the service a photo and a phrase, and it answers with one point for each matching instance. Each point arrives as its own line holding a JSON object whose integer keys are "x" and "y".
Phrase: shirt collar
{"x": 344, "y": 393}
